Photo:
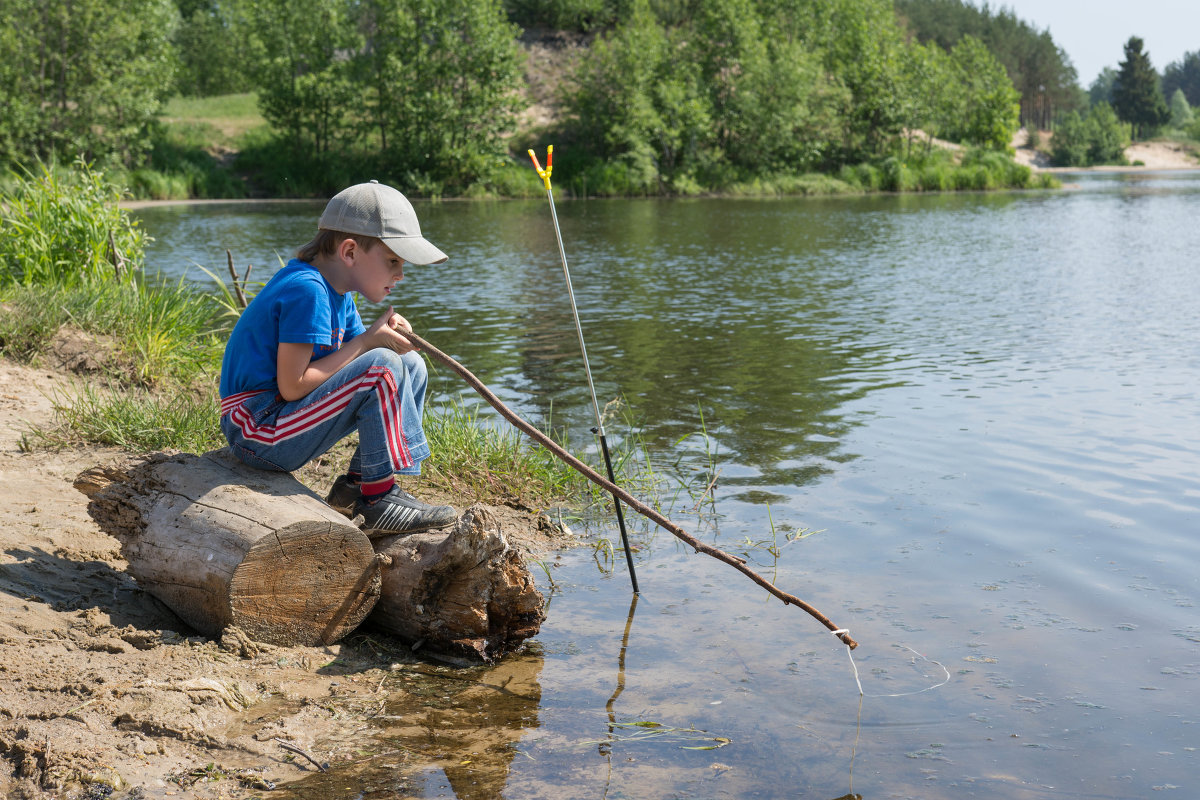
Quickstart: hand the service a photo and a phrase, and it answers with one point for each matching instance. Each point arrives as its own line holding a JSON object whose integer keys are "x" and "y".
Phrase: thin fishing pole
{"x": 562, "y": 254}
{"x": 544, "y": 174}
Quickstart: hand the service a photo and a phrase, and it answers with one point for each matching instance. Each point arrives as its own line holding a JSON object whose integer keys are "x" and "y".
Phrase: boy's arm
{"x": 298, "y": 375}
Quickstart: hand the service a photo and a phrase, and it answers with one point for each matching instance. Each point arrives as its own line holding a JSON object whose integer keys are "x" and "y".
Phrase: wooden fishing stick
{"x": 646, "y": 511}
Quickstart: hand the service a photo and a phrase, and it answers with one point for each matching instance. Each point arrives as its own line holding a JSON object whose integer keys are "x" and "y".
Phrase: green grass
{"x": 223, "y": 119}
{"x": 131, "y": 418}
{"x": 486, "y": 458}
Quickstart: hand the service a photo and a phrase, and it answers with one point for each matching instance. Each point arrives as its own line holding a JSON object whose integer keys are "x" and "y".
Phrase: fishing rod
{"x": 544, "y": 174}
{"x": 646, "y": 511}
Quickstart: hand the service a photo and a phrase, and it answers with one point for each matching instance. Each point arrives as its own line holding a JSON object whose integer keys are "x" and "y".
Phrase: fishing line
{"x": 923, "y": 657}
{"x": 862, "y": 694}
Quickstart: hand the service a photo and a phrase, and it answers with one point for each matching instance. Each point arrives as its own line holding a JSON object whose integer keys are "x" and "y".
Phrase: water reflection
{"x": 455, "y": 734}
{"x": 605, "y": 748}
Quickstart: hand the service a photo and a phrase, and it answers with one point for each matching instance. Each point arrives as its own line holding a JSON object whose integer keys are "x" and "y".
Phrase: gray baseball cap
{"x": 373, "y": 209}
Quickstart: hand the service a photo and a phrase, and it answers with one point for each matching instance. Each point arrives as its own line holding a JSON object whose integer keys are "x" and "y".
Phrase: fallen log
{"x": 221, "y": 544}
{"x": 464, "y": 593}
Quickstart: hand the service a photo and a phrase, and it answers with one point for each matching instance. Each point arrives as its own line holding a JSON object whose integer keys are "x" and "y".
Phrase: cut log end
{"x": 309, "y": 583}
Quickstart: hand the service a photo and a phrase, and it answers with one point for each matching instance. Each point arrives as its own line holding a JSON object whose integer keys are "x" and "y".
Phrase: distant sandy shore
{"x": 1152, "y": 155}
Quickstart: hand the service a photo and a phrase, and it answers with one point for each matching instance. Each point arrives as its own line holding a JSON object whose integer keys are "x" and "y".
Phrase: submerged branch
{"x": 637, "y": 505}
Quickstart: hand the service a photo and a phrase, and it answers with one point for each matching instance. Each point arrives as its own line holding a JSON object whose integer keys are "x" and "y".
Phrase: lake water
{"x": 981, "y": 408}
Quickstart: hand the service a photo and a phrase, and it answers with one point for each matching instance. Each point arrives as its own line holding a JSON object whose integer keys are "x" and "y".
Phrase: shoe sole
{"x": 374, "y": 533}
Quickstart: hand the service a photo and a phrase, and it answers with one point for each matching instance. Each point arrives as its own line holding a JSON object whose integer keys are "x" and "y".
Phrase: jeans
{"x": 381, "y": 394}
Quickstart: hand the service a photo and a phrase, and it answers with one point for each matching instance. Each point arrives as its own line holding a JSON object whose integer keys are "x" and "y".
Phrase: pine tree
{"x": 1183, "y": 74}
{"x": 1137, "y": 97}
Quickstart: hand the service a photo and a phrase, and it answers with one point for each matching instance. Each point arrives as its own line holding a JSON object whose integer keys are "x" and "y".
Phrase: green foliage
{"x": 978, "y": 168}
{"x": 860, "y": 43}
{"x": 572, "y": 15}
{"x": 671, "y": 97}
{"x": 1098, "y": 138}
{"x": 416, "y": 91}
{"x": 1137, "y": 98}
{"x": 491, "y": 461}
{"x": 1040, "y": 70}
{"x": 734, "y": 91}
{"x": 66, "y": 228}
{"x": 212, "y": 51}
{"x": 1183, "y": 75}
{"x": 641, "y": 118}
{"x": 1107, "y": 136}
{"x": 1181, "y": 110}
{"x": 988, "y": 111}
{"x": 443, "y": 76}
{"x": 82, "y": 77}
{"x": 1069, "y": 148}
{"x": 135, "y": 419}
{"x": 1101, "y": 89}
{"x": 306, "y": 86}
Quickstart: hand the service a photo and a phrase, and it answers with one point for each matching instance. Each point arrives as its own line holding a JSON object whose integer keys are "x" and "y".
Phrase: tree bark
{"x": 462, "y": 593}
{"x": 223, "y": 544}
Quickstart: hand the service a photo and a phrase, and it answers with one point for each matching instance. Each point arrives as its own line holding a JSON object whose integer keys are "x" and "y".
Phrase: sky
{"x": 1093, "y": 32}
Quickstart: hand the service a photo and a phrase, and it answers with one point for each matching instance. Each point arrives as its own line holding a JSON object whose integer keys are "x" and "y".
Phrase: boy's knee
{"x": 407, "y": 365}
{"x": 415, "y": 365}
{"x": 383, "y": 357}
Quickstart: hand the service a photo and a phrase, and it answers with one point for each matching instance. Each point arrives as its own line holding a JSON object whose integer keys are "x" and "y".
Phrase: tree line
{"x": 1039, "y": 69}
{"x": 667, "y": 96}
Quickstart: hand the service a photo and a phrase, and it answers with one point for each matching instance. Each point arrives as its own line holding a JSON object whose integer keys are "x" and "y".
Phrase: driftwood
{"x": 462, "y": 593}
{"x": 637, "y": 505}
{"x": 223, "y": 544}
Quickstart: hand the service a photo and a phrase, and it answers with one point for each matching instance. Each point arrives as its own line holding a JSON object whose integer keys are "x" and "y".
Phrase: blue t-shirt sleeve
{"x": 294, "y": 306}
{"x": 304, "y": 314}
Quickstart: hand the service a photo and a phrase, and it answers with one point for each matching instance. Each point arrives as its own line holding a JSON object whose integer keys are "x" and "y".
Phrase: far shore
{"x": 133, "y": 205}
{"x": 1159, "y": 156}
{"x": 1153, "y": 157}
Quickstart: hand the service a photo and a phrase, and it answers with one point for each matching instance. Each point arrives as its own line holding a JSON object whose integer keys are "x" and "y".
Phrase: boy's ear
{"x": 347, "y": 248}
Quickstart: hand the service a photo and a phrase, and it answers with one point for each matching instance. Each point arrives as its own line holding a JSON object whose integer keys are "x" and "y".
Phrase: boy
{"x": 301, "y": 371}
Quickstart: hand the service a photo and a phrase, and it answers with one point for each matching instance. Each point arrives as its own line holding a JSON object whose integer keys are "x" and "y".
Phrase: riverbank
{"x": 104, "y": 688}
{"x": 1158, "y": 155}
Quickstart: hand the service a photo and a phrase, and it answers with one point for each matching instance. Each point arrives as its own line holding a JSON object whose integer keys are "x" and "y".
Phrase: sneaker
{"x": 343, "y": 495}
{"x": 400, "y": 512}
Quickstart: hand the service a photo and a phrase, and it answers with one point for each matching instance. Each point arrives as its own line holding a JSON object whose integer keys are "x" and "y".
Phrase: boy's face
{"x": 375, "y": 271}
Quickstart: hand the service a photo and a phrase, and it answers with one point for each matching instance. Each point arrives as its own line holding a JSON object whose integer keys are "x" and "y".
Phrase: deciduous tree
{"x": 1039, "y": 69}
{"x": 1181, "y": 110}
{"x": 214, "y": 57}
{"x": 442, "y": 85}
{"x": 305, "y": 74}
{"x": 988, "y": 105}
{"x": 82, "y": 77}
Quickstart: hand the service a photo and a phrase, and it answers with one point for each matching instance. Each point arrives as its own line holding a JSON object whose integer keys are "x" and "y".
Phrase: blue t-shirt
{"x": 297, "y": 305}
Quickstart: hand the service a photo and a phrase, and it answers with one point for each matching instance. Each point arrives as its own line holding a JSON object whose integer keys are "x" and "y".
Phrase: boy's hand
{"x": 388, "y": 330}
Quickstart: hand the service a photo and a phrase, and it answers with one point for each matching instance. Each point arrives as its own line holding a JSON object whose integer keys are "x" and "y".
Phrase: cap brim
{"x": 415, "y": 249}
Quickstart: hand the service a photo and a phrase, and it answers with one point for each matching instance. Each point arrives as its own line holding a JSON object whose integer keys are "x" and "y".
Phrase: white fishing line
{"x": 854, "y": 666}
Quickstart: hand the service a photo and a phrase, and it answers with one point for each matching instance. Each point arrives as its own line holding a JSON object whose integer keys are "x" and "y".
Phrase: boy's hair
{"x": 326, "y": 243}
